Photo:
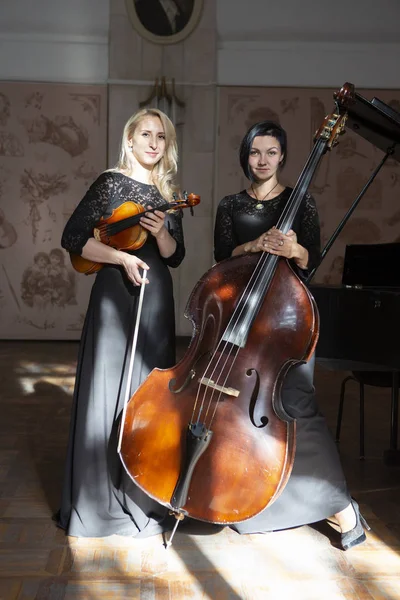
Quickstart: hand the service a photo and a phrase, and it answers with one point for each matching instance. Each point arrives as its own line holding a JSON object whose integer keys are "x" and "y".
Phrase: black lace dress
{"x": 316, "y": 488}
{"x": 99, "y": 498}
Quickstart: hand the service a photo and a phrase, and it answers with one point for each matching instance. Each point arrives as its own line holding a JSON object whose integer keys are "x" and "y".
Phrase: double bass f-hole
{"x": 253, "y": 400}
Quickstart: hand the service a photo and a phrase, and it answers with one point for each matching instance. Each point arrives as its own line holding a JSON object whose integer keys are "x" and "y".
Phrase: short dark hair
{"x": 261, "y": 128}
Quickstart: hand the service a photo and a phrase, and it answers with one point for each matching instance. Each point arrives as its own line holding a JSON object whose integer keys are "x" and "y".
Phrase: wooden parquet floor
{"x": 37, "y": 561}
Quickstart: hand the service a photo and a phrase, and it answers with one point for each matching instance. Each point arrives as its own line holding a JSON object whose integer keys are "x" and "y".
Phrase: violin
{"x": 122, "y": 229}
{"x": 210, "y": 438}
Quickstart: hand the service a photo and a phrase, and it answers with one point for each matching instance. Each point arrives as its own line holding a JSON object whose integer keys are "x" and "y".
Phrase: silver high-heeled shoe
{"x": 355, "y": 536}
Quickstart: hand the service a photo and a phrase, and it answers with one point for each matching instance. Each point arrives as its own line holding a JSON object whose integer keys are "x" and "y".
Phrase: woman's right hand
{"x": 270, "y": 238}
{"x": 257, "y": 245}
{"x": 132, "y": 265}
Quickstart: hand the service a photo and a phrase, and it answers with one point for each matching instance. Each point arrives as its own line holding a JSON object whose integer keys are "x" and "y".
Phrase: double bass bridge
{"x": 220, "y": 388}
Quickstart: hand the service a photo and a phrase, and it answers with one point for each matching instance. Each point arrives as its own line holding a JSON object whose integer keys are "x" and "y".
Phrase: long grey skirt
{"x": 99, "y": 498}
{"x": 317, "y": 487}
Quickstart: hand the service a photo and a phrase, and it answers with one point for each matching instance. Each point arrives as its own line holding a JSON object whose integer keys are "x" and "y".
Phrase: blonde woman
{"x": 98, "y": 497}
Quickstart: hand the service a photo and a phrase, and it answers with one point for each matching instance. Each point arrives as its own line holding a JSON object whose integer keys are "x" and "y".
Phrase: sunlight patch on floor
{"x": 299, "y": 563}
{"x": 30, "y": 373}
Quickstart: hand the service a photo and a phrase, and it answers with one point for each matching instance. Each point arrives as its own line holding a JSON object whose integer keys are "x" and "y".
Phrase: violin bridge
{"x": 96, "y": 234}
{"x": 220, "y": 388}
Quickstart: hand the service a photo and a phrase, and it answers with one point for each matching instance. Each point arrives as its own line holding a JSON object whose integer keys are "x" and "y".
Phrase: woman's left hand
{"x": 276, "y": 242}
{"x": 153, "y": 222}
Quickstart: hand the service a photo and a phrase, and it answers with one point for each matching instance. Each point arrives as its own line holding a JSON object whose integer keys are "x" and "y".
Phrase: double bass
{"x": 210, "y": 438}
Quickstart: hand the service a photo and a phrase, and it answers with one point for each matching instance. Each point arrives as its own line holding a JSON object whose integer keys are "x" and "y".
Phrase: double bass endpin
{"x": 179, "y": 516}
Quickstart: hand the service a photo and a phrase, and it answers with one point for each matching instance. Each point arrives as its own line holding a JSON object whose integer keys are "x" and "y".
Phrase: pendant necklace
{"x": 260, "y": 204}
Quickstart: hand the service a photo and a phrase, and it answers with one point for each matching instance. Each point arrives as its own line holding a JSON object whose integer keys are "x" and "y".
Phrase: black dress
{"x": 99, "y": 498}
{"x": 316, "y": 488}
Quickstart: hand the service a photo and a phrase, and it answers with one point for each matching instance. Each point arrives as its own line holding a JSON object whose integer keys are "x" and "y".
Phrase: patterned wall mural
{"x": 52, "y": 146}
{"x": 53, "y": 141}
{"x": 341, "y": 174}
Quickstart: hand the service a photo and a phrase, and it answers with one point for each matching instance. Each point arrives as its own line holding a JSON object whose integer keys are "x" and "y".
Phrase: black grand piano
{"x": 360, "y": 320}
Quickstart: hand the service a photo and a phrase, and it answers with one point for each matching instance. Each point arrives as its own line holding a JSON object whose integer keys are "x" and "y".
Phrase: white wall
{"x": 309, "y": 43}
{"x": 86, "y": 17}
{"x": 264, "y": 43}
{"x": 309, "y": 20}
{"x": 54, "y": 40}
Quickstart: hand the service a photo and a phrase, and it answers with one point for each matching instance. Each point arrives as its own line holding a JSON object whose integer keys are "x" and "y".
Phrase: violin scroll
{"x": 189, "y": 201}
{"x": 193, "y": 199}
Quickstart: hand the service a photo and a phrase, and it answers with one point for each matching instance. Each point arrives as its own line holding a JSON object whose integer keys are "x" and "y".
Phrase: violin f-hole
{"x": 253, "y": 400}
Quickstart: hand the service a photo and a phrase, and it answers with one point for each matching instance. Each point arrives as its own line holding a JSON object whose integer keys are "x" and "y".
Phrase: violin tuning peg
{"x": 191, "y": 211}
{"x": 175, "y": 196}
{"x": 185, "y": 195}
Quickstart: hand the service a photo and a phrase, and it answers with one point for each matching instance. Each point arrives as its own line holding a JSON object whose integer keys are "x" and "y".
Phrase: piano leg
{"x": 392, "y": 456}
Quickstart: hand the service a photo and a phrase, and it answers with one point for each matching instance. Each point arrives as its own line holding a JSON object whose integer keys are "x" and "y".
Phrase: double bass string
{"x": 252, "y": 283}
{"x": 235, "y": 315}
{"x": 259, "y": 266}
{"x": 222, "y": 350}
{"x": 288, "y": 213}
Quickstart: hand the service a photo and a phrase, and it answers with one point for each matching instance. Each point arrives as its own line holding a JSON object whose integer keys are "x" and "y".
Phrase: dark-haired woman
{"x": 246, "y": 222}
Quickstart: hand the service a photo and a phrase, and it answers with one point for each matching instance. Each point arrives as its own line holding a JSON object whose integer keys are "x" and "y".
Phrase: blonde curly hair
{"x": 164, "y": 172}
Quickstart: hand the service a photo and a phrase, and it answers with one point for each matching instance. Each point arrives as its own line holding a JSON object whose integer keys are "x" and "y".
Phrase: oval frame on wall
{"x": 143, "y": 13}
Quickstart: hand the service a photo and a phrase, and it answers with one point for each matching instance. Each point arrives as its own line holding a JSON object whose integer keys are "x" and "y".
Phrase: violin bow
{"x": 132, "y": 360}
